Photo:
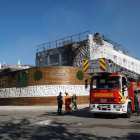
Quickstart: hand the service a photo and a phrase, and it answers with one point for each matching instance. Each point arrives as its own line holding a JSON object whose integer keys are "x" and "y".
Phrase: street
{"x": 43, "y": 123}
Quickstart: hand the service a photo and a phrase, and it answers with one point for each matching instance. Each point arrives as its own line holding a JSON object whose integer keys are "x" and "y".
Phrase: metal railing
{"x": 116, "y": 46}
{"x": 63, "y": 41}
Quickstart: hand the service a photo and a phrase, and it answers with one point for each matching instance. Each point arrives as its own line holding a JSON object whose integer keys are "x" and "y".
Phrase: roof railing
{"x": 116, "y": 46}
{"x": 63, "y": 41}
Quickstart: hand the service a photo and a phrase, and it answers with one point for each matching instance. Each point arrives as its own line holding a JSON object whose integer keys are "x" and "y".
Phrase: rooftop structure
{"x": 73, "y": 50}
{"x": 60, "y": 52}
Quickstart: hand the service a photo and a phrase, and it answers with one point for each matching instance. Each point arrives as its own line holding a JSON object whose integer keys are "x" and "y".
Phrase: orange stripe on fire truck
{"x": 86, "y": 65}
{"x": 102, "y": 64}
{"x": 103, "y": 60}
{"x": 120, "y": 96}
{"x": 120, "y": 93}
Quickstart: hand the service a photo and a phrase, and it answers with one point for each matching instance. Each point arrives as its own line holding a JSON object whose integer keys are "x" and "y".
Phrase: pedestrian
{"x": 67, "y": 102}
{"x": 74, "y": 105}
{"x": 136, "y": 102}
{"x": 60, "y": 103}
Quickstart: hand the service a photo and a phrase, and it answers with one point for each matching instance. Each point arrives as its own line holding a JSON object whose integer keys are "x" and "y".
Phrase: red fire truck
{"x": 111, "y": 88}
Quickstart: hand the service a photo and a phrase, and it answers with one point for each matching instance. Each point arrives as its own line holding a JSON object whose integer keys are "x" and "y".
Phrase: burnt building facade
{"x": 69, "y": 51}
{"x": 73, "y": 50}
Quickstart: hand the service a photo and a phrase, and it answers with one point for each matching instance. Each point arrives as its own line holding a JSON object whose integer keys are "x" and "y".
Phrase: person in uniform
{"x": 60, "y": 103}
{"x": 74, "y": 105}
{"x": 67, "y": 102}
{"x": 136, "y": 102}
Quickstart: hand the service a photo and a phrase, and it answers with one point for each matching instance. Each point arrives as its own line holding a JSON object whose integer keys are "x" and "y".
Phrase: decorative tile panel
{"x": 45, "y": 90}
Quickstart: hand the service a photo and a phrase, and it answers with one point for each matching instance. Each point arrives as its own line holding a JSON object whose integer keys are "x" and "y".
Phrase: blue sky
{"x": 25, "y": 24}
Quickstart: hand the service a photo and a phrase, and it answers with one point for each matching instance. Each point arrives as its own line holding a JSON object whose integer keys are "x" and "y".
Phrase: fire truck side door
{"x": 124, "y": 88}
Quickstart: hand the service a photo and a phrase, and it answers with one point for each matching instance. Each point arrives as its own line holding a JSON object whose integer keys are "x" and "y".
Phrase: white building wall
{"x": 44, "y": 90}
{"x": 107, "y": 51}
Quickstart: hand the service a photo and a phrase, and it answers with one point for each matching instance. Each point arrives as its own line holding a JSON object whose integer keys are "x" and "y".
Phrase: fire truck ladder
{"x": 107, "y": 66}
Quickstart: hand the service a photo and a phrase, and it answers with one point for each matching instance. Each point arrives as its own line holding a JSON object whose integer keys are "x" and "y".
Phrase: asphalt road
{"x": 43, "y": 123}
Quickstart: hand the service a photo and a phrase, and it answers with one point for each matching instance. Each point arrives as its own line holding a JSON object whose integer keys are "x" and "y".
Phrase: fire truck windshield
{"x": 105, "y": 82}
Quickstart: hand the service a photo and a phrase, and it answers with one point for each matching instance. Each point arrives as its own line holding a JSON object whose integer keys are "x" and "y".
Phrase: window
{"x": 64, "y": 56}
{"x": 123, "y": 81}
{"x": 105, "y": 82}
{"x": 56, "y": 58}
{"x": 51, "y": 59}
{"x": 115, "y": 58}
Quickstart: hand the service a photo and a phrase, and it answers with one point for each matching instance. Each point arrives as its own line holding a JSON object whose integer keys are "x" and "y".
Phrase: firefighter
{"x": 124, "y": 90}
{"x": 136, "y": 102}
{"x": 67, "y": 103}
{"x": 60, "y": 103}
{"x": 74, "y": 97}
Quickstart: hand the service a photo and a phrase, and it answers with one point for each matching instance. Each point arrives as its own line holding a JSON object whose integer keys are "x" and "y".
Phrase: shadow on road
{"x": 84, "y": 113}
{"x": 79, "y": 113}
{"x": 135, "y": 121}
{"x": 23, "y": 130}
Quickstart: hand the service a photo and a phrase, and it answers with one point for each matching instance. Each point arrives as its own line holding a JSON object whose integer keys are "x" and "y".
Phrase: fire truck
{"x": 111, "y": 87}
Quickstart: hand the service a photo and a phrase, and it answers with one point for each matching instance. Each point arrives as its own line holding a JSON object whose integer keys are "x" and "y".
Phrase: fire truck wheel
{"x": 96, "y": 115}
{"x": 129, "y": 111}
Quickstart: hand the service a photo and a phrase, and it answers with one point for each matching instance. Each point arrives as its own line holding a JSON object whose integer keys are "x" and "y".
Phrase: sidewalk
{"x": 33, "y": 108}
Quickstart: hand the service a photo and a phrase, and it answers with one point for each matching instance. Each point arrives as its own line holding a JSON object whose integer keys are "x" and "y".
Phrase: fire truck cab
{"x": 112, "y": 93}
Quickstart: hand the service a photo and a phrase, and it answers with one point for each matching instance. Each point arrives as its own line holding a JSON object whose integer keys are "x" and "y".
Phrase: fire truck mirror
{"x": 86, "y": 83}
{"x": 127, "y": 84}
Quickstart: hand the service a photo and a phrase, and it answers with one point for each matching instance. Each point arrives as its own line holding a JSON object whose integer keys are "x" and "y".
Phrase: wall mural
{"x": 39, "y": 91}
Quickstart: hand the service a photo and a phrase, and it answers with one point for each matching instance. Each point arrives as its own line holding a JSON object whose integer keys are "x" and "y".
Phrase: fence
{"x": 63, "y": 42}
